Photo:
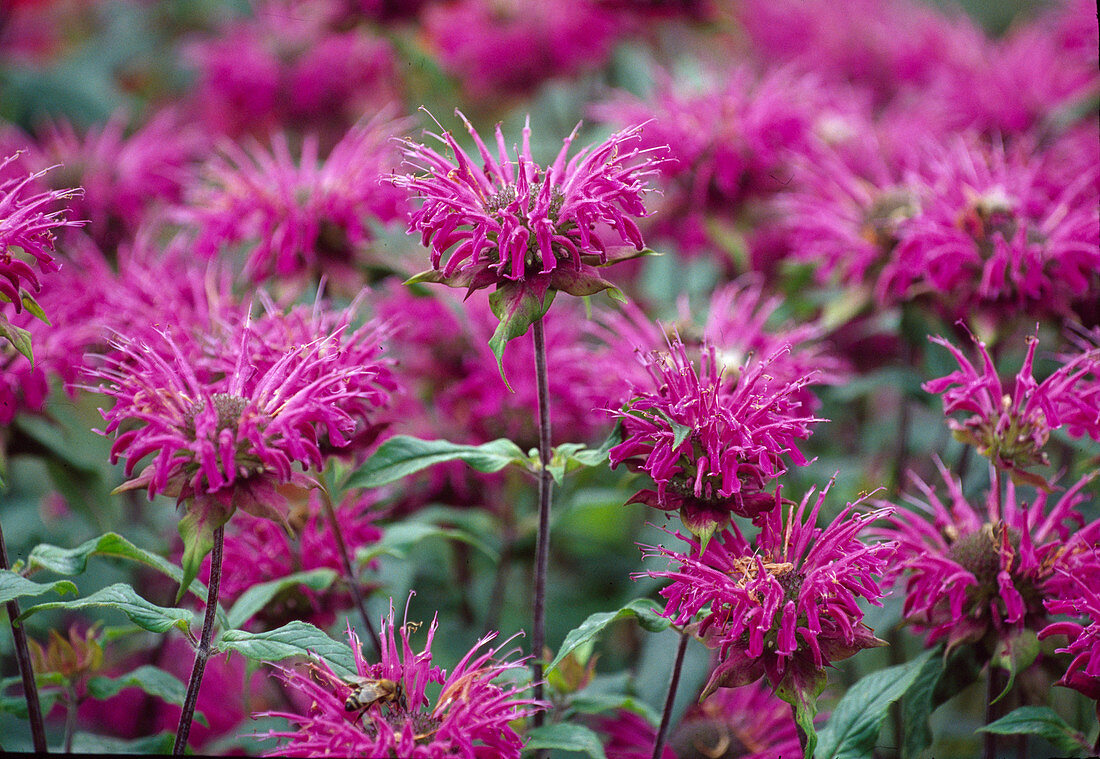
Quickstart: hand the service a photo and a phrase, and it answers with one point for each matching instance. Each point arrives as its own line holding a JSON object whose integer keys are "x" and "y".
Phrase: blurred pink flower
{"x": 786, "y": 605}
{"x": 1075, "y": 585}
{"x": 471, "y": 717}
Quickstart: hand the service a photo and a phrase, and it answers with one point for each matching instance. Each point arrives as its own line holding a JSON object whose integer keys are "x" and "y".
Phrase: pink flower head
{"x": 257, "y": 550}
{"x": 749, "y": 722}
{"x": 981, "y": 577}
{"x": 712, "y": 445}
{"x": 230, "y": 433}
{"x": 1076, "y": 586}
{"x": 1011, "y": 428}
{"x": 785, "y": 607}
{"x": 385, "y": 711}
{"x": 125, "y": 177}
{"x": 27, "y": 230}
{"x": 991, "y": 235}
{"x": 297, "y": 216}
{"x": 510, "y": 46}
{"x": 513, "y": 220}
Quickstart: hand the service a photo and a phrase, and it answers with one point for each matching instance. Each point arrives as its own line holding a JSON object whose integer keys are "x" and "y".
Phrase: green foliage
{"x": 641, "y": 609}
{"x": 399, "y": 540}
{"x": 918, "y": 705}
{"x": 14, "y": 586}
{"x": 19, "y": 338}
{"x": 566, "y": 736}
{"x": 517, "y": 308}
{"x": 402, "y": 455}
{"x": 854, "y": 725}
{"x": 256, "y": 597}
{"x": 121, "y": 597}
{"x": 292, "y": 639}
{"x": 1044, "y": 722}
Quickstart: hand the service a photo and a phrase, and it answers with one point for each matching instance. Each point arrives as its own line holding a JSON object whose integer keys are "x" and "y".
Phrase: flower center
{"x": 887, "y": 212}
{"x": 227, "y": 408}
{"x": 979, "y": 552}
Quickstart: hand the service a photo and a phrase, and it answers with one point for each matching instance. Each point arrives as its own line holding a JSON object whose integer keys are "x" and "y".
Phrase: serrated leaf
{"x": 18, "y": 337}
{"x": 13, "y": 586}
{"x": 292, "y": 639}
{"x": 402, "y": 455}
{"x": 641, "y": 609}
{"x": 256, "y": 597}
{"x": 566, "y": 736}
{"x": 399, "y": 539}
{"x": 74, "y": 561}
{"x": 854, "y": 725}
{"x": 517, "y": 308}
{"x": 122, "y": 597}
{"x": 918, "y": 706}
{"x": 1042, "y": 721}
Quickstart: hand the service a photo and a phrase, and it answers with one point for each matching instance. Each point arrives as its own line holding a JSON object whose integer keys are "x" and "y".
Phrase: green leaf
{"x": 803, "y": 699}
{"x": 402, "y": 455}
{"x": 854, "y": 725}
{"x": 641, "y": 609}
{"x": 568, "y": 457}
{"x": 18, "y": 337}
{"x": 399, "y": 539}
{"x": 33, "y": 308}
{"x": 13, "y": 586}
{"x": 517, "y": 308}
{"x": 292, "y": 639}
{"x": 1015, "y": 654}
{"x": 74, "y": 561}
{"x": 918, "y": 706}
{"x": 17, "y": 705}
{"x": 256, "y": 597}
{"x": 122, "y": 597}
{"x": 598, "y": 703}
{"x": 89, "y": 743}
{"x": 203, "y": 518}
{"x": 566, "y": 736}
{"x": 1044, "y": 722}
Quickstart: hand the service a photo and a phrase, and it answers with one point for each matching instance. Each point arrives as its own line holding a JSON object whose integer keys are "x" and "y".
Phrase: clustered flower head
{"x": 978, "y": 574}
{"x": 27, "y": 231}
{"x": 710, "y": 443}
{"x": 784, "y": 606}
{"x": 749, "y": 722}
{"x": 1074, "y": 586}
{"x": 384, "y": 710}
{"x": 509, "y": 219}
{"x": 1011, "y": 428}
{"x": 296, "y": 216}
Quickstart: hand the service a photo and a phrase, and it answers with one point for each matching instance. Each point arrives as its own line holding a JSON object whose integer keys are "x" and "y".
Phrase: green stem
{"x": 670, "y": 699}
{"x": 70, "y": 717}
{"x": 542, "y": 541}
{"x": 202, "y": 653}
{"x": 23, "y": 659}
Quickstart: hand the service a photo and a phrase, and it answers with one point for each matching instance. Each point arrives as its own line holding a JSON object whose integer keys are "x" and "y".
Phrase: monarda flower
{"x": 712, "y": 445}
{"x": 747, "y": 722}
{"x": 524, "y": 228}
{"x": 1011, "y": 428}
{"x": 223, "y": 440}
{"x": 1076, "y": 587}
{"x": 297, "y": 216}
{"x": 27, "y": 236}
{"x": 384, "y": 710}
{"x": 784, "y": 606}
{"x": 980, "y": 574}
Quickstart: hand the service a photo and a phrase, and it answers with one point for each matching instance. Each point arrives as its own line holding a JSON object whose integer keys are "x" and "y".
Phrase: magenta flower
{"x": 749, "y": 722}
{"x": 386, "y": 711}
{"x": 712, "y": 445}
{"x": 1076, "y": 586}
{"x": 302, "y": 216}
{"x": 981, "y": 573}
{"x": 1011, "y": 428}
{"x": 786, "y": 606}
{"x": 27, "y": 232}
{"x": 515, "y": 221}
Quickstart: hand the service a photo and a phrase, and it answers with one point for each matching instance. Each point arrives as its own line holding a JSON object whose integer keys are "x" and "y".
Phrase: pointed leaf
{"x": 803, "y": 700}
{"x": 292, "y": 639}
{"x": 256, "y": 597}
{"x": 122, "y": 597}
{"x": 854, "y": 725}
{"x": 18, "y": 337}
{"x": 1044, "y": 722}
{"x": 153, "y": 680}
{"x": 32, "y": 307}
{"x": 566, "y": 736}
{"x": 204, "y": 516}
{"x": 398, "y": 541}
{"x": 13, "y": 586}
{"x": 402, "y": 455}
{"x": 918, "y": 706}
{"x": 517, "y": 308}
{"x": 1015, "y": 654}
{"x": 641, "y": 609}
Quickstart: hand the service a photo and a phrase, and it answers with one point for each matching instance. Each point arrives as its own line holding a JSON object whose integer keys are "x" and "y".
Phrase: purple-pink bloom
{"x": 1011, "y": 427}
{"x": 501, "y": 219}
{"x": 784, "y": 606}
{"x": 712, "y": 436}
{"x": 980, "y": 573}
{"x": 27, "y": 231}
{"x": 297, "y": 216}
{"x": 1075, "y": 587}
{"x": 471, "y": 717}
{"x": 749, "y": 722}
